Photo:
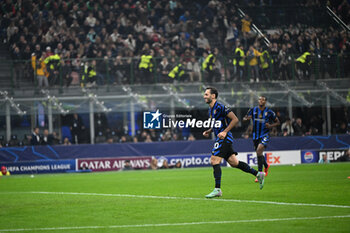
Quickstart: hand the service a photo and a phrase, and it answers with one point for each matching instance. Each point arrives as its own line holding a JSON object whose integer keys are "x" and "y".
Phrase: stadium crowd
{"x": 103, "y": 42}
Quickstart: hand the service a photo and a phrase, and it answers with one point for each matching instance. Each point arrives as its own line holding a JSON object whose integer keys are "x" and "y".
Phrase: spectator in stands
{"x": 315, "y": 124}
{"x": 178, "y": 164}
{"x": 4, "y": 171}
{"x": 178, "y": 73}
{"x": 266, "y": 62}
{"x": 154, "y": 164}
{"x": 14, "y": 141}
{"x": 163, "y": 70}
{"x": 342, "y": 129}
{"x": 202, "y": 43}
{"x": 166, "y": 136}
{"x": 324, "y": 159}
{"x": 345, "y": 157}
{"x": 11, "y": 30}
{"x": 66, "y": 142}
{"x": 232, "y": 32}
{"x": 90, "y": 21}
{"x": 164, "y": 165}
{"x": 246, "y": 24}
{"x": 40, "y": 70}
{"x": 60, "y": 50}
{"x": 36, "y": 140}
{"x": 48, "y": 52}
{"x": 119, "y": 71}
{"x": 66, "y": 70}
{"x": 191, "y": 138}
{"x": 299, "y": 128}
{"x": 284, "y": 63}
{"x": 148, "y": 138}
{"x": 27, "y": 141}
{"x": 209, "y": 66}
{"x": 56, "y": 139}
{"x": 253, "y": 54}
{"x": 287, "y": 127}
{"x": 130, "y": 42}
{"x": 284, "y": 133}
{"x": 123, "y": 139}
{"x": 146, "y": 67}
{"x": 90, "y": 76}
{"x": 77, "y": 127}
{"x": 53, "y": 64}
{"x": 102, "y": 69}
{"x": 194, "y": 70}
{"x": 127, "y": 166}
{"x": 47, "y": 138}
{"x": 110, "y": 140}
{"x": 303, "y": 64}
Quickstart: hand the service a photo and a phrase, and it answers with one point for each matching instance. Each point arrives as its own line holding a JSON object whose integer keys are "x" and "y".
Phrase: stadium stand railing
{"x": 108, "y": 73}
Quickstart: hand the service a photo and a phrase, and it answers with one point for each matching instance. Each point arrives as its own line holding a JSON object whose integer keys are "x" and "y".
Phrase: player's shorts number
{"x": 216, "y": 145}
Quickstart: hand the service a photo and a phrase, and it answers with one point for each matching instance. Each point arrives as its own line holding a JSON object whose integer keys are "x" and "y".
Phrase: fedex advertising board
{"x": 272, "y": 157}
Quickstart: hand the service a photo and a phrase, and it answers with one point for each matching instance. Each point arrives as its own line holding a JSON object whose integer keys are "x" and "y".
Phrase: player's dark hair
{"x": 213, "y": 90}
{"x": 264, "y": 97}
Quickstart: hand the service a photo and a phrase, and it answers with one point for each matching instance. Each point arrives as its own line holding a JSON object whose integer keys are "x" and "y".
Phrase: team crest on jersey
{"x": 214, "y": 111}
{"x": 260, "y": 115}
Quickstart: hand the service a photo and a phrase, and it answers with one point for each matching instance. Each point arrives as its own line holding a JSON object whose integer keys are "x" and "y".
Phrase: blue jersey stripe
{"x": 219, "y": 113}
{"x": 260, "y": 118}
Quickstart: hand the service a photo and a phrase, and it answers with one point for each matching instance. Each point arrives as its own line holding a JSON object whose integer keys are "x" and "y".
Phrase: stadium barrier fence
{"x": 120, "y": 71}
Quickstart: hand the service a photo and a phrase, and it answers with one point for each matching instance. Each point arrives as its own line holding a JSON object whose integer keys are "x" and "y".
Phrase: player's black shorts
{"x": 223, "y": 149}
{"x": 264, "y": 140}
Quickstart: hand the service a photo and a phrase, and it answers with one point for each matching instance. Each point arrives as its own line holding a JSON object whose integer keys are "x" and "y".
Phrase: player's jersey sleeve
{"x": 273, "y": 115}
{"x": 250, "y": 112}
{"x": 226, "y": 110}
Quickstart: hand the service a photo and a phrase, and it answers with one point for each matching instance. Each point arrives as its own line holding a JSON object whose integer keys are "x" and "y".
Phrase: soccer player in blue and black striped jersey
{"x": 263, "y": 120}
{"x": 223, "y": 143}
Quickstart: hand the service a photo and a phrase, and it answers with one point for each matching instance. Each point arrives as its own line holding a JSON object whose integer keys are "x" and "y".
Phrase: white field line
{"x": 183, "y": 198}
{"x": 174, "y": 224}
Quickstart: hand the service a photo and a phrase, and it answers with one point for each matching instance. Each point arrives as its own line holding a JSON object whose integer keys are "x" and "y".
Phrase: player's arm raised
{"x": 233, "y": 123}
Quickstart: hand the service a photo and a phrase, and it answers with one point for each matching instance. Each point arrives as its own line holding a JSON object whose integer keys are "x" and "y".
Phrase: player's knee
{"x": 233, "y": 161}
{"x": 214, "y": 161}
{"x": 260, "y": 150}
{"x": 234, "y": 164}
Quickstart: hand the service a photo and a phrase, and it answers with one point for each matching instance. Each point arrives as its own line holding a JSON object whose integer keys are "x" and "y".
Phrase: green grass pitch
{"x": 173, "y": 201}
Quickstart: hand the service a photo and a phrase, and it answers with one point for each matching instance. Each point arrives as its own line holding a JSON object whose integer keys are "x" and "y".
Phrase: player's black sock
{"x": 217, "y": 175}
{"x": 261, "y": 161}
{"x": 246, "y": 168}
{"x": 265, "y": 163}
